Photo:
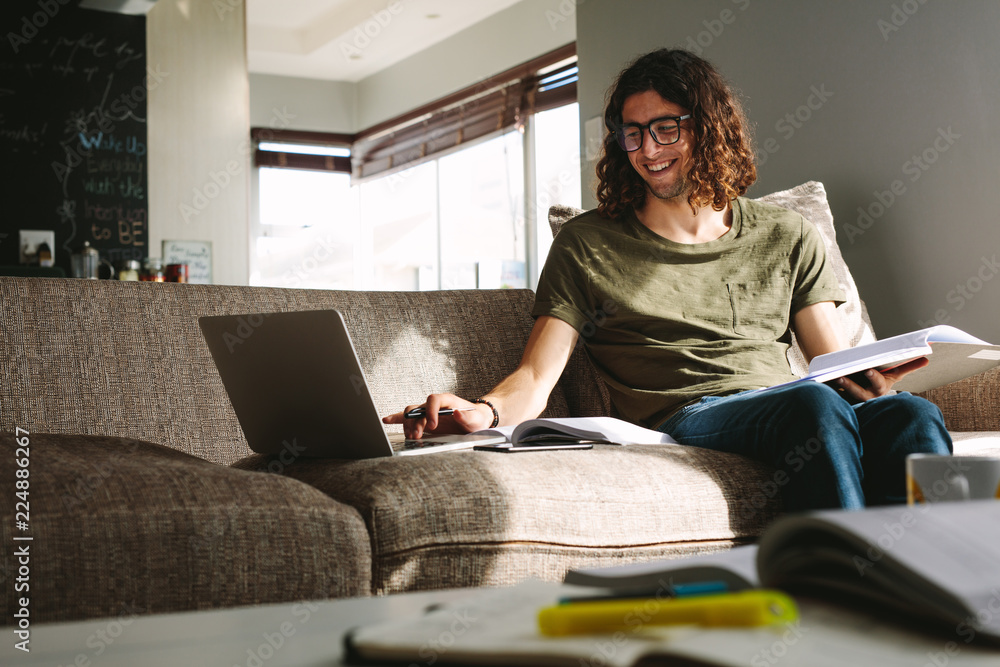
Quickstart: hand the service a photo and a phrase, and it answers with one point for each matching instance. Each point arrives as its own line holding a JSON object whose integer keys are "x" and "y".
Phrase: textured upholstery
{"x": 128, "y": 359}
{"x": 97, "y": 371}
{"x": 119, "y": 523}
{"x": 467, "y": 518}
{"x": 972, "y": 404}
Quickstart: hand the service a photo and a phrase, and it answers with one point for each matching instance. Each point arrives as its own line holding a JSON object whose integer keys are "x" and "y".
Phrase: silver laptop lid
{"x": 296, "y": 384}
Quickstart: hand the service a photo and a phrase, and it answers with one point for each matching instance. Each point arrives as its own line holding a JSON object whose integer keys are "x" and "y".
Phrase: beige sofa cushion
{"x": 484, "y": 518}
{"x": 808, "y": 200}
{"x": 125, "y": 525}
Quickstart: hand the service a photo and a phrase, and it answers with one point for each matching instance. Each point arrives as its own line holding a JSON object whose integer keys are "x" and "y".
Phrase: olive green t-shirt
{"x": 667, "y": 323}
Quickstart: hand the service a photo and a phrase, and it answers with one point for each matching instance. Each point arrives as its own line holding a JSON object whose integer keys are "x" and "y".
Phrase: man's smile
{"x": 659, "y": 166}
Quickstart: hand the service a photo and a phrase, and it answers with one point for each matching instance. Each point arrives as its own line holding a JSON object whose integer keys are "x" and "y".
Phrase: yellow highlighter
{"x": 740, "y": 609}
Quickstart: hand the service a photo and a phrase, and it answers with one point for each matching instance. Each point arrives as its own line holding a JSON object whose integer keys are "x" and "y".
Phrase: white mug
{"x": 934, "y": 478}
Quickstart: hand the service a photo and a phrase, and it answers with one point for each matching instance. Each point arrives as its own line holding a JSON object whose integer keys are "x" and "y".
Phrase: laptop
{"x": 296, "y": 385}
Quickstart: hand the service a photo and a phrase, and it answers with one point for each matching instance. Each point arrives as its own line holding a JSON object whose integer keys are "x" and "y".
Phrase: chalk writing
{"x": 73, "y": 124}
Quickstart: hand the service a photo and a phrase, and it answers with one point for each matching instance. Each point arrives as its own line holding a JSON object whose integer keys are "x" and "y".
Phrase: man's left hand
{"x": 873, "y": 383}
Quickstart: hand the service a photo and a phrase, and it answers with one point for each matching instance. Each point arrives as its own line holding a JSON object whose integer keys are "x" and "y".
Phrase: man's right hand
{"x": 468, "y": 417}
{"x": 521, "y": 395}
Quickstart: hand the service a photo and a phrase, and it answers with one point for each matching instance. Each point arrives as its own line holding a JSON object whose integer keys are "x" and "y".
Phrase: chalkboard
{"x": 73, "y": 86}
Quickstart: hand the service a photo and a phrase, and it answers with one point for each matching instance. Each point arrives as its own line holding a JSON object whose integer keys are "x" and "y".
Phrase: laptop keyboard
{"x": 422, "y": 444}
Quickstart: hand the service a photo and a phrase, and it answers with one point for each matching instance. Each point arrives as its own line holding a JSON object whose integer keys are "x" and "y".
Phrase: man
{"x": 706, "y": 286}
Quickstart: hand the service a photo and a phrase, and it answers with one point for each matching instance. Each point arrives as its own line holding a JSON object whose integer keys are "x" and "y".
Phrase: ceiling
{"x": 348, "y": 40}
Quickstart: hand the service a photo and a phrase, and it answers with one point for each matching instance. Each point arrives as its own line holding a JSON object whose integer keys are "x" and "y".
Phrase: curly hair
{"x": 723, "y": 159}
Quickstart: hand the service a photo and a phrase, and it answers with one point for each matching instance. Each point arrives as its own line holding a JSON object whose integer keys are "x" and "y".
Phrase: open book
{"x": 941, "y": 559}
{"x": 953, "y": 355}
{"x": 939, "y": 562}
{"x": 606, "y": 430}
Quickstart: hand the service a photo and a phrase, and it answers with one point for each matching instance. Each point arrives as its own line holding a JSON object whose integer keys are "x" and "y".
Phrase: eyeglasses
{"x": 665, "y": 131}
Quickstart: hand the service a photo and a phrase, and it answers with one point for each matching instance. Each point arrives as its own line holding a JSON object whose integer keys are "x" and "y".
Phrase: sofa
{"x": 141, "y": 494}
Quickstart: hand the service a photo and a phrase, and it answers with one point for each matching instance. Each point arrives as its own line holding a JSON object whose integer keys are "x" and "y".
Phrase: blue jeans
{"x": 828, "y": 453}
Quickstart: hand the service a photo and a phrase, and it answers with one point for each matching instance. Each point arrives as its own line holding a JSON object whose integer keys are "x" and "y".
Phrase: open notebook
{"x": 920, "y": 584}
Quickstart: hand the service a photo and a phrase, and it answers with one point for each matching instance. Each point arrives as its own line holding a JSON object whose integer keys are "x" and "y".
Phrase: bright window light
{"x": 306, "y": 149}
{"x": 452, "y": 223}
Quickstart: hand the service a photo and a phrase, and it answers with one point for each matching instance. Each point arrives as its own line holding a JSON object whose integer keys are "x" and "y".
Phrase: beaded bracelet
{"x": 496, "y": 415}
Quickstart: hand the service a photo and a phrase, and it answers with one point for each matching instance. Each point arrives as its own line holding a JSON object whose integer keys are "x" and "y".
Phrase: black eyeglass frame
{"x": 620, "y": 130}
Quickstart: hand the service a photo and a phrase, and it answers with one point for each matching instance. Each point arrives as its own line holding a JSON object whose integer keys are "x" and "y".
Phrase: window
{"x": 482, "y": 220}
{"x": 306, "y": 220}
{"x": 308, "y": 232}
{"x": 399, "y": 218}
{"x": 557, "y": 172}
{"x": 438, "y": 201}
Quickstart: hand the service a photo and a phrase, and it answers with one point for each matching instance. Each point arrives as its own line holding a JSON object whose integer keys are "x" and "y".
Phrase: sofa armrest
{"x": 972, "y": 404}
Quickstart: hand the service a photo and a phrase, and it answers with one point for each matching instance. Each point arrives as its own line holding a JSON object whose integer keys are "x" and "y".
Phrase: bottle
{"x": 129, "y": 270}
{"x": 152, "y": 270}
{"x": 45, "y": 254}
{"x": 86, "y": 262}
{"x": 177, "y": 273}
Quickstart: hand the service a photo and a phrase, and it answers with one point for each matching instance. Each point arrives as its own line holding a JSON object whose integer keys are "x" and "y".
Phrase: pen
{"x": 741, "y": 609}
{"x": 673, "y": 591}
{"x": 419, "y": 412}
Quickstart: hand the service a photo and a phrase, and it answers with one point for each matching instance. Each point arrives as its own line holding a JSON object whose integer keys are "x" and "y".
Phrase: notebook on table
{"x": 296, "y": 385}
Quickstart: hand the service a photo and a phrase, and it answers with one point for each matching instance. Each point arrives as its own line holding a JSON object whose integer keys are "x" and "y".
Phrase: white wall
{"x": 504, "y": 40}
{"x": 866, "y": 96}
{"x": 303, "y": 104}
{"x": 199, "y": 131}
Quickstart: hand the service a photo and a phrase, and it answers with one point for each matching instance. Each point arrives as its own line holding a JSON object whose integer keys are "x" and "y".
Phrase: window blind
{"x": 494, "y": 105}
{"x": 293, "y": 160}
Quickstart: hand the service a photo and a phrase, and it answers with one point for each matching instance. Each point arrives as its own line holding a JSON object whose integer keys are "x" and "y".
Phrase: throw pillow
{"x": 809, "y": 200}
